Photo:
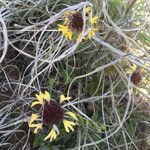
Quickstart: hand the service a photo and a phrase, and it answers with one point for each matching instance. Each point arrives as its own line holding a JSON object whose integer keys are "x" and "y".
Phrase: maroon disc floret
{"x": 136, "y": 78}
{"x": 76, "y": 22}
{"x": 52, "y": 113}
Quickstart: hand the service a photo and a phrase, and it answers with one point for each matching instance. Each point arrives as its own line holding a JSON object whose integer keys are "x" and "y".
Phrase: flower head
{"x": 52, "y": 114}
{"x": 73, "y": 22}
{"x": 74, "y": 26}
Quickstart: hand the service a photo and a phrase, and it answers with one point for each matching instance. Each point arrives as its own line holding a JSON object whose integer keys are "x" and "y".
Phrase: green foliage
{"x": 145, "y": 39}
{"x": 51, "y": 82}
{"x": 38, "y": 140}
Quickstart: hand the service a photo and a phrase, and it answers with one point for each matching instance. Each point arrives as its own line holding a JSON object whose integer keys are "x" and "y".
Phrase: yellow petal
{"x": 63, "y": 98}
{"x": 131, "y": 91}
{"x": 37, "y": 126}
{"x": 134, "y": 67}
{"x": 92, "y": 32}
{"x": 94, "y": 20}
{"x": 32, "y": 119}
{"x": 69, "y": 13}
{"x": 131, "y": 69}
{"x": 46, "y": 96}
{"x": 128, "y": 71}
{"x": 68, "y": 35}
{"x": 63, "y": 28}
{"x": 68, "y": 125}
{"x": 39, "y": 97}
{"x": 80, "y": 38}
{"x": 52, "y": 135}
{"x": 36, "y": 103}
{"x": 88, "y": 9}
{"x": 72, "y": 115}
{"x": 66, "y": 21}
{"x": 66, "y": 32}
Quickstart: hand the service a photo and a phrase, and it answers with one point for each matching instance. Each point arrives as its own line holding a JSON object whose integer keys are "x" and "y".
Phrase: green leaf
{"x": 51, "y": 82}
{"x": 38, "y": 140}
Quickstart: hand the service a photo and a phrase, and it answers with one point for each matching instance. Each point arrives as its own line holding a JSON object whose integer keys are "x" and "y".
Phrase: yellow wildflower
{"x": 52, "y": 113}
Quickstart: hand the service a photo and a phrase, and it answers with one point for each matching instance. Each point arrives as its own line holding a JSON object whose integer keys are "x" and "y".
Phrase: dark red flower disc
{"x": 52, "y": 113}
{"x": 76, "y": 22}
{"x": 136, "y": 78}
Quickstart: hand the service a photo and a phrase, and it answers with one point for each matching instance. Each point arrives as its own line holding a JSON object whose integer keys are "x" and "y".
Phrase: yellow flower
{"x": 63, "y": 98}
{"x": 92, "y": 32}
{"x": 52, "y": 113}
{"x": 52, "y": 135}
{"x": 74, "y": 24}
{"x": 68, "y": 125}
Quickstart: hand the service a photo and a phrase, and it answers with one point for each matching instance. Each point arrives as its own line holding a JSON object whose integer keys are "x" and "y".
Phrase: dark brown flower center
{"x": 76, "y": 22}
{"x": 136, "y": 78}
{"x": 52, "y": 113}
